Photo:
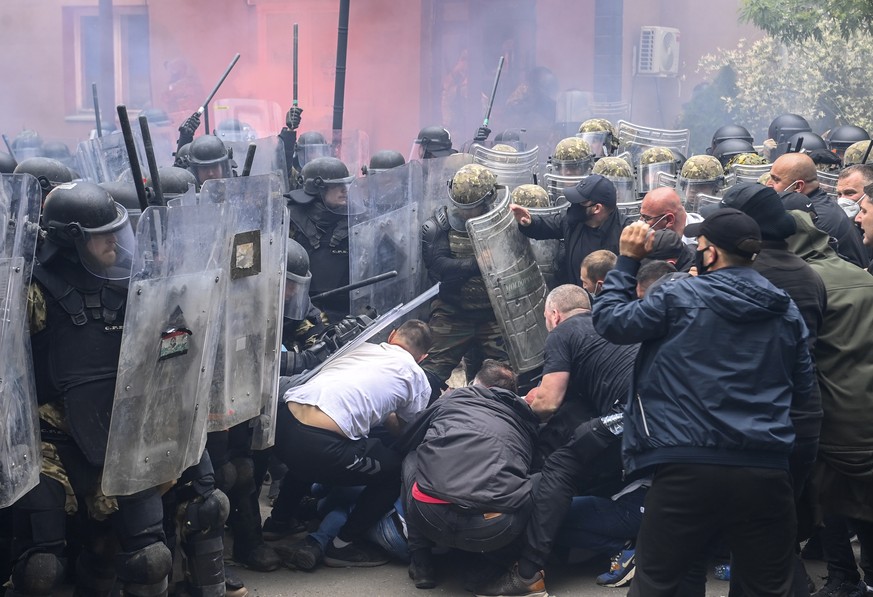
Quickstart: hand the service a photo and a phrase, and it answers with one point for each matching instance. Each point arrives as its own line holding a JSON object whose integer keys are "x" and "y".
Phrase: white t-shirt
{"x": 360, "y": 389}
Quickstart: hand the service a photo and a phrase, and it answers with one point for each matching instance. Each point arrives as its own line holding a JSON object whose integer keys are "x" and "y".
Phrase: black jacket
{"x": 474, "y": 448}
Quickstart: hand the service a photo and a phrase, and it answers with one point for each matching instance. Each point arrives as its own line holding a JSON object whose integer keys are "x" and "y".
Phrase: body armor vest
{"x": 473, "y": 293}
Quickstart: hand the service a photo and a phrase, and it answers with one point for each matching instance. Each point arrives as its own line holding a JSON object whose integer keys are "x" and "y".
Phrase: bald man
{"x": 662, "y": 209}
{"x": 796, "y": 172}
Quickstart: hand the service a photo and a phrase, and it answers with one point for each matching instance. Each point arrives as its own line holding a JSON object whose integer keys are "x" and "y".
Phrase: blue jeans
{"x": 601, "y": 525}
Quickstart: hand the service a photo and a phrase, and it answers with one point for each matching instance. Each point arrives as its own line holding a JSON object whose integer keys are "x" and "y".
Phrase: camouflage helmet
{"x": 855, "y": 153}
{"x": 471, "y": 185}
{"x": 595, "y": 125}
{"x": 656, "y": 155}
{"x": 613, "y": 167}
{"x": 745, "y": 159}
{"x": 530, "y": 195}
{"x": 702, "y": 167}
{"x": 504, "y": 148}
{"x": 572, "y": 149}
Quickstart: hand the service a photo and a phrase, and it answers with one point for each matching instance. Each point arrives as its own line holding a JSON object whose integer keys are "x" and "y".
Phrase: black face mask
{"x": 698, "y": 262}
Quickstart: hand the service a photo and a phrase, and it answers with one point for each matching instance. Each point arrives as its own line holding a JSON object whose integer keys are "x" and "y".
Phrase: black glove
{"x": 292, "y": 118}
{"x": 188, "y": 128}
{"x": 823, "y": 156}
{"x": 341, "y": 333}
{"x": 482, "y": 134}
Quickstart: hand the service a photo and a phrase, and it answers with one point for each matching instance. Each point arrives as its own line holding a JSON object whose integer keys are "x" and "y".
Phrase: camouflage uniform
{"x": 461, "y": 316}
{"x": 855, "y": 153}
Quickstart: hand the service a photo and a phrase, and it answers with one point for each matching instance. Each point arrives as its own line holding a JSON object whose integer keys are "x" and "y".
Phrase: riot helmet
{"x": 124, "y": 192}
{"x": 384, "y": 160}
{"x": 600, "y": 135}
{"x": 701, "y": 174}
{"x": 504, "y": 148}
{"x": 7, "y": 163}
{"x": 83, "y": 216}
{"x": 232, "y": 130}
{"x": 57, "y": 150}
{"x": 174, "y": 181}
{"x": 530, "y": 195}
{"x": 840, "y": 138}
{"x": 786, "y": 125}
{"x": 329, "y": 180}
{"x": 856, "y": 152}
{"x": 27, "y": 144}
{"x": 432, "y": 142}
{"x": 729, "y": 131}
{"x": 208, "y": 158}
{"x": 811, "y": 141}
{"x": 510, "y": 137}
{"x": 572, "y": 157}
{"x": 730, "y": 148}
{"x": 620, "y": 174}
{"x": 297, "y": 281}
{"x": 49, "y": 172}
{"x": 472, "y": 186}
{"x": 182, "y": 156}
{"x": 311, "y": 145}
{"x": 654, "y": 161}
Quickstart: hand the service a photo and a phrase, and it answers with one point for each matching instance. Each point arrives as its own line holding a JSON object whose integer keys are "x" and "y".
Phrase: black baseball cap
{"x": 594, "y": 188}
{"x": 731, "y": 230}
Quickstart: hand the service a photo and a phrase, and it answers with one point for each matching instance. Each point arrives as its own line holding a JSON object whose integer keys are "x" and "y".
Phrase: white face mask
{"x": 789, "y": 188}
{"x": 851, "y": 206}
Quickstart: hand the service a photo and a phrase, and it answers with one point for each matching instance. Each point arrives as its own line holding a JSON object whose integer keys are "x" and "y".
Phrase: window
{"x": 130, "y": 56}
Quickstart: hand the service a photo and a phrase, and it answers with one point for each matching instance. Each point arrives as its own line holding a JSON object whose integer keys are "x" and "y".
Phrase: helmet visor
{"x": 307, "y": 153}
{"x": 595, "y": 139}
{"x": 107, "y": 252}
{"x": 335, "y": 196}
{"x": 690, "y": 191}
{"x": 648, "y": 175}
{"x": 572, "y": 167}
{"x": 296, "y": 295}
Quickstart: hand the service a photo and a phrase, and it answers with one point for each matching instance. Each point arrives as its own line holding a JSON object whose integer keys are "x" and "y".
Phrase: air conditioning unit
{"x": 659, "y": 51}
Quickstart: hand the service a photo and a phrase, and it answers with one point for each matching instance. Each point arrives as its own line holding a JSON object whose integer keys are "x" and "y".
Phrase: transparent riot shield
{"x": 827, "y": 181}
{"x": 269, "y": 158}
{"x": 158, "y": 426}
{"x": 247, "y": 358}
{"x": 704, "y": 201}
{"x": 386, "y": 237}
{"x": 629, "y": 208}
{"x": 164, "y": 137}
{"x": 747, "y": 173}
{"x": 511, "y": 169}
{"x": 375, "y": 330}
{"x": 436, "y": 174}
{"x": 105, "y": 159}
{"x": 514, "y": 283}
{"x": 259, "y": 118}
{"x": 547, "y": 252}
{"x": 694, "y": 192}
{"x": 20, "y": 455}
{"x": 635, "y": 139}
{"x": 555, "y": 185}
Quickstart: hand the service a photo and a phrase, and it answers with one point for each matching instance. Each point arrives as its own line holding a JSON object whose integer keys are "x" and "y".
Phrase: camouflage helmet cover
{"x": 572, "y": 149}
{"x": 656, "y": 155}
{"x": 613, "y": 167}
{"x": 471, "y": 185}
{"x": 855, "y": 153}
{"x": 745, "y": 159}
{"x": 702, "y": 167}
{"x": 530, "y": 195}
{"x": 595, "y": 125}
{"x": 504, "y": 148}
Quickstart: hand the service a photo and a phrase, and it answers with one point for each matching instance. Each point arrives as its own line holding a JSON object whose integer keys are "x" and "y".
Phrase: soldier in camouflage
{"x": 600, "y": 135}
{"x": 701, "y": 174}
{"x": 620, "y": 174}
{"x": 572, "y": 157}
{"x": 653, "y": 161}
{"x": 504, "y": 148}
{"x": 461, "y": 316}
{"x": 855, "y": 153}
{"x": 530, "y": 195}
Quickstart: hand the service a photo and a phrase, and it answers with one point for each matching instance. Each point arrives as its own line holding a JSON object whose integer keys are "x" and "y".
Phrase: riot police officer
{"x": 319, "y": 213}
{"x": 77, "y": 299}
{"x": 461, "y": 315}
{"x": 432, "y": 142}
{"x": 208, "y": 158}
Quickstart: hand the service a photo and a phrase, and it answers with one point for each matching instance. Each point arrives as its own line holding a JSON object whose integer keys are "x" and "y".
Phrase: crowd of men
{"x": 665, "y": 361}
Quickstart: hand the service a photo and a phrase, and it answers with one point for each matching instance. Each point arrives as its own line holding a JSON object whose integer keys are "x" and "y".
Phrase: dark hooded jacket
{"x": 831, "y": 218}
{"x": 844, "y": 359}
{"x": 474, "y": 448}
{"x": 723, "y": 357}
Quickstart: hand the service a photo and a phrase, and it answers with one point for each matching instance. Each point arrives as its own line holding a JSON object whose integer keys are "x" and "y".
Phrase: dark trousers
{"x": 689, "y": 505}
{"x": 451, "y": 525}
{"x": 315, "y": 455}
{"x": 835, "y": 538}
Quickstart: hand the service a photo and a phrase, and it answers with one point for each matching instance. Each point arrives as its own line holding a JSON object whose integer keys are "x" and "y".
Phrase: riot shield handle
{"x": 356, "y": 285}
{"x": 9, "y": 149}
{"x": 250, "y": 159}
{"x": 135, "y": 170}
{"x": 294, "y": 62}
{"x": 150, "y": 159}
{"x": 493, "y": 93}
{"x": 97, "y": 110}
{"x": 230, "y": 66}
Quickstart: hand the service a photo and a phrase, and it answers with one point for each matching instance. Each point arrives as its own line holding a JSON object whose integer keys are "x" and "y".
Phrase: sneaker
{"x": 354, "y": 555}
{"x": 838, "y": 586}
{"x": 511, "y": 584}
{"x": 275, "y": 530}
{"x": 621, "y": 570}
{"x": 421, "y": 569}
{"x": 303, "y": 555}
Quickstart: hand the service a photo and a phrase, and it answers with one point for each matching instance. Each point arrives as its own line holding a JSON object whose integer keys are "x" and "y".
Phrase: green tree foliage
{"x": 798, "y": 21}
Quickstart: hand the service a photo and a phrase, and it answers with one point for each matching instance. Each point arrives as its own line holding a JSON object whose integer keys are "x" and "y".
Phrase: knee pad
{"x": 144, "y": 572}
{"x": 37, "y": 573}
{"x": 204, "y": 514}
